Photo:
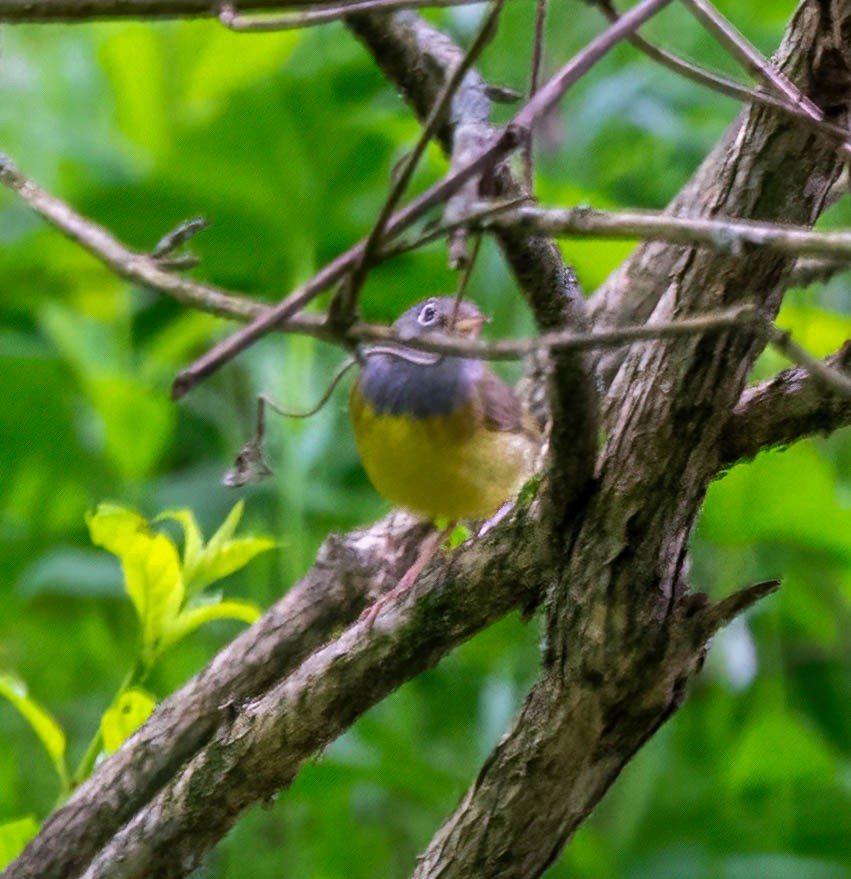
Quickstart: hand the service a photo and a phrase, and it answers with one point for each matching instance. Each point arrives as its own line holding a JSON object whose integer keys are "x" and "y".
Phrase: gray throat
{"x": 394, "y": 385}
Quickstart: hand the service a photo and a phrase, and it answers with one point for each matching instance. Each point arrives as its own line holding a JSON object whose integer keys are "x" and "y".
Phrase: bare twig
{"x": 464, "y": 280}
{"x": 500, "y": 145}
{"x": 145, "y": 270}
{"x": 74, "y": 10}
{"x": 323, "y": 13}
{"x": 250, "y": 465}
{"x": 725, "y": 235}
{"x": 718, "y": 615}
{"x": 344, "y": 305}
{"x": 722, "y": 84}
{"x": 831, "y": 377}
{"x": 816, "y": 270}
{"x": 537, "y": 54}
{"x": 752, "y": 59}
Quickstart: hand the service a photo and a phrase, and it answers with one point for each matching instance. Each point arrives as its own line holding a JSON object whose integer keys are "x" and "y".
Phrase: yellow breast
{"x": 441, "y": 465}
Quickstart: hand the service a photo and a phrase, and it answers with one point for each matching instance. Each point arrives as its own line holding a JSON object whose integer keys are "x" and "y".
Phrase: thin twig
{"x": 73, "y": 10}
{"x": 322, "y": 14}
{"x": 722, "y": 84}
{"x": 752, "y": 59}
{"x": 437, "y": 231}
{"x": 719, "y": 614}
{"x": 498, "y": 147}
{"x": 250, "y": 465}
{"x": 513, "y": 349}
{"x": 464, "y": 280}
{"x": 730, "y": 235}
{"x": 344, "y": 304}
{"x": 816, "y": 270}
{"x": 537, "y": 55}
{"x": 782, "y": 340}
{"x": 144, "y": 269}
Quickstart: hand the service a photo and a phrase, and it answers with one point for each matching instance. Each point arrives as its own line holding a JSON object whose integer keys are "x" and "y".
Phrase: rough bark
{"x": 619, "y": 654}
{"x": 260, "y": 746}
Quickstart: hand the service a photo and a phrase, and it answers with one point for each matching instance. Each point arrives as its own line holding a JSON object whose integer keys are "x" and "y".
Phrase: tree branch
{"x": 322, "y": 13}
{"x": 751, "y": 58}
{"x": 782, "y": 148}
{"x": 147, "y": 269}
{"x": 349, "y": 573}
{"x": 261, "y": 746}
{"x": 784, "y": 409}
{"x": 620, "y": 644}
{"x": 722, "y": 84}
{"x": 86, "y": 10}
{"x": 723, "y": 235}
{"x": 494, "y": 151}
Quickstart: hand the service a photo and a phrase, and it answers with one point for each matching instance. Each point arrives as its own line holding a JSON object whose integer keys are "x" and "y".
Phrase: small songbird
{"x": 440, "y": 435}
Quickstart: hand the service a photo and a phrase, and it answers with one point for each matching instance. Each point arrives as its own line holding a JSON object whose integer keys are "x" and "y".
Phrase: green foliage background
{"x": 285, "y": 142}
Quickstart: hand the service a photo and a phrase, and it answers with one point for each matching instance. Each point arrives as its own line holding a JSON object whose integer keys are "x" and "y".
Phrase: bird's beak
{"x": 471, "y": 327}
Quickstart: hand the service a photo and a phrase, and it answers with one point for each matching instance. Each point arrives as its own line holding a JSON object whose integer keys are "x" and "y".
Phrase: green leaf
{"x": 227, "y": 528}
{"x": 191, "y": 619}
{"x": 130, "y": 711}
{"x": 222, "y": 556}
{"x": 193, "y": 541}
{"x": 152, "y": 575}
{"x": 14, "y": 835}
{"x": 49, "y": 732}
{"x": 231, "y": 557}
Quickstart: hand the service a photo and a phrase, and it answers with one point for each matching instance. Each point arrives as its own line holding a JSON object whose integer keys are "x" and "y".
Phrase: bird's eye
{"x": 427, "y": 315}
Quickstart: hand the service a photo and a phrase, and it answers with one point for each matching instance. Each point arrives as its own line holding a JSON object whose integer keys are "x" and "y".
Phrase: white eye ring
{"x": 427, "y": 315}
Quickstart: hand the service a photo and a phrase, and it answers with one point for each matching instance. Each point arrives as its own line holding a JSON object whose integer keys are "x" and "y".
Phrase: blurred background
{"x": 285, "y": 143}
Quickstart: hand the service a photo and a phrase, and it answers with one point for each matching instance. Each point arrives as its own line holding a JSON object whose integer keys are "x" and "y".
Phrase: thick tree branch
{"x": 349, "y": 573}
{"x": 260, "y": 748}
{"x": 619, "y": 648}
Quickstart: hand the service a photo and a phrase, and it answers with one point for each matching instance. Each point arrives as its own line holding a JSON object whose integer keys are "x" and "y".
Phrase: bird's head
{"x": 440, "y": 314}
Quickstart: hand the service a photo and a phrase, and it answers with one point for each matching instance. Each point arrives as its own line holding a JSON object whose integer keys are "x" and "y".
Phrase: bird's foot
{"x": 428, "y": 548}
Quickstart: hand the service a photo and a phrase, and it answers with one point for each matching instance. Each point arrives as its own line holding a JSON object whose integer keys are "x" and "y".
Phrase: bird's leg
{"x": 429, "y": 546}
{"x": 496, "y": 518}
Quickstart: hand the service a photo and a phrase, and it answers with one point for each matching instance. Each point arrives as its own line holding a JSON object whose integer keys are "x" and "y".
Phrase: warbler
{"x": 440, "y": 435}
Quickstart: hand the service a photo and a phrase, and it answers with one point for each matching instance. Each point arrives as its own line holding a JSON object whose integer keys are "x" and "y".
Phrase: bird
{"x": 440, "y": 435}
